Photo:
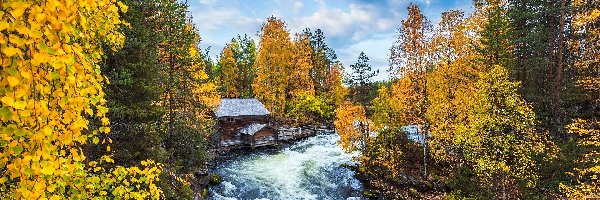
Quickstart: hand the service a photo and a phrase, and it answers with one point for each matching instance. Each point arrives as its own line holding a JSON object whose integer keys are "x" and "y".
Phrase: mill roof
{"x": 252, "y": 128}
{"x": 240, "y": 107}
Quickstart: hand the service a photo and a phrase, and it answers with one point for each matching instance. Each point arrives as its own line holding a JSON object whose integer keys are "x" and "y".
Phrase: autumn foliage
{"x": 52, "y": 94}
{"x": 352, "y": 125}
{"x": 502, "y": 103}
{"x": 288, "y": 80}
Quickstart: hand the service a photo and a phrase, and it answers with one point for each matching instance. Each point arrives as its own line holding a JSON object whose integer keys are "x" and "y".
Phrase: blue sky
{"x": 349, "y": 26}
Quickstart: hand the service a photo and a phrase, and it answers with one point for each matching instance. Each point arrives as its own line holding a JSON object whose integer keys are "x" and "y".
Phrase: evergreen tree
{"x": 323, "y": 57}
{"x": 161, "y": 96}
{"x": 529, "y": 34}
{"x": 495, "y": 47}
{"x": 585, "y": 46}
{"x": 360, "y": 79}
{"x": 134, "y": 87}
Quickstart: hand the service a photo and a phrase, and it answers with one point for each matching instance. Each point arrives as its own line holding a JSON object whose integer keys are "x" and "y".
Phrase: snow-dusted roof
{"x": 252, "y": 128}
{"x": 240, "y": 107}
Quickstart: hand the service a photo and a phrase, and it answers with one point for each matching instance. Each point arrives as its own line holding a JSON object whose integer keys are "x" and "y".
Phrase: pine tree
{"x": 323, "y": 58}
{"x": 134, "y": 87}
{"x": 188, "y": 99}
{"x": 586, "y": 50}
{"x": 360, "y": 79}
{"x": 494, "y": 46}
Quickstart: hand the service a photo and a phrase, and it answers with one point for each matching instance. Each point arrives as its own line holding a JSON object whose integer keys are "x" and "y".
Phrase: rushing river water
{"x": 307, "y": 169}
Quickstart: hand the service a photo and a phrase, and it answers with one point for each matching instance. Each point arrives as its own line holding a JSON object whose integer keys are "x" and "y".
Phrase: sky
{"x": 349, "y": 26}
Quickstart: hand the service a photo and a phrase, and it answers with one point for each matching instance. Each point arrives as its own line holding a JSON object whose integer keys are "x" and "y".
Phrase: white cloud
{"x": 320, "y": 2}
{"x": 297, "y": 6}
{"x": 357, "y": 22}
{"x": 376, "y": 48}
{"x": 208, "y": 2}
{"x": 218, "y": 18}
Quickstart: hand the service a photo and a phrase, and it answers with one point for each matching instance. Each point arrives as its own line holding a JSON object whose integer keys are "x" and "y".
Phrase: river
{"x": 307, "y": 169}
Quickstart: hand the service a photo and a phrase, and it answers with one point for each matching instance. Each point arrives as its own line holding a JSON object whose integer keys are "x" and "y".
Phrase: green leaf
{"x": 17, "y": 150}
{"x": 36, "y": 34}
{"x": 28, "y": 171}
{"x": 43, "y": 47}
{"x": 20, "y": 133}
{"x": 55, "y": 74}
{"x": 12, "y": 71}
{"x": 5, "y": 113}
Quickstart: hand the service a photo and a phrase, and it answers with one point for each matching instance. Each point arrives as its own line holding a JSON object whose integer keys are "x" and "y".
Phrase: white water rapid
{"x": 307, "y": 169}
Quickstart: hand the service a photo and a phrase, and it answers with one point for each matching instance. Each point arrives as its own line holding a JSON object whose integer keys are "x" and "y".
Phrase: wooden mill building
{"x": 244, "y": 123}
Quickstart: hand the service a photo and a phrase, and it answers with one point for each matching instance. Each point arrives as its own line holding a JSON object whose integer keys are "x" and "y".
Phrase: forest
{"x": 109, "y": 99}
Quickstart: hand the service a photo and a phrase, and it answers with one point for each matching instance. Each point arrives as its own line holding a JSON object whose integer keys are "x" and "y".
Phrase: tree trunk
{"x": 559, "y": 70}
{"x": 550, "y": 70}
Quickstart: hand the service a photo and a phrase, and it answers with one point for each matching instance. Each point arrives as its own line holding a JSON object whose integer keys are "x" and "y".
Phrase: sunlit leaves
{"x": 300, "y": 81}
{"x": 587, "y": 174}
{"x": 307, "y": 108}
{"x": 49, "y": 55}
{"x": 271, "y": 82}
{"x": 229, "y": 76}
{"x": 352, "y": 125}
{"x": 476, "y": 119}
{"x": 586, "y": 51}
{"x": 335, "y": 92}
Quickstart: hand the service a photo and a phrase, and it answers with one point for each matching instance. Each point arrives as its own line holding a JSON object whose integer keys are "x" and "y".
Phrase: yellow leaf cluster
{"x": 588, "y": 174}
{"x": 229, "y": 73}
{"x": 300, "y": 80}
{"x": 49, "y": 78}
{"x": 273, "y": 64}
{"x": 352, "y": 125}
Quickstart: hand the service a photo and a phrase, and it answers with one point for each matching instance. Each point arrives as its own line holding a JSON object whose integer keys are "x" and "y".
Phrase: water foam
{"x": 308, "y": 169}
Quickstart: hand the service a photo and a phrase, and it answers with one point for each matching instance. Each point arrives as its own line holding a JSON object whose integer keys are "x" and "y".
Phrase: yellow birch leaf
{"x": 20, "y": 105}
{"x": 17, "y": 13}
{"x": 51, "y": 188}
{"x": 40, "y": 17}
{"x": 7, "y": 100}
{"x": 104, "y": 121}
{"x": 47, "y": 130}
{"x": 22, "y": 30}
{"x": 3, "y": 25}
{"x": 12, "y": 81}
{"x": 26, "y": 75}
{"x": 123, "y": 6}
{"x": 10, "y": 51}
{"x": 21, "y": 92}
{"x": 47, "y": 170}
